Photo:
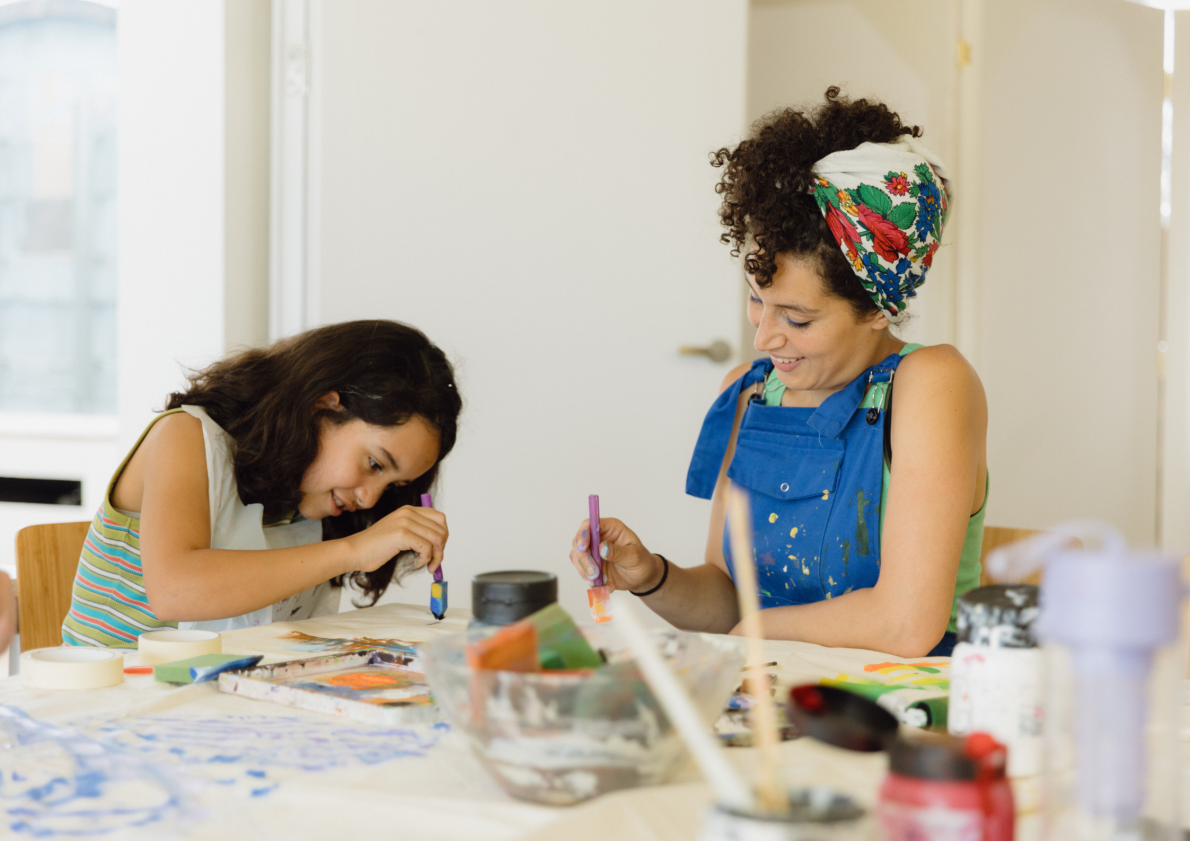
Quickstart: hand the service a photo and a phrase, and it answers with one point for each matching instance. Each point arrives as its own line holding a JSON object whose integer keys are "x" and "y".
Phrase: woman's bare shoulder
{"x": 939, "y": 364}
{"x": 939, "y": 376}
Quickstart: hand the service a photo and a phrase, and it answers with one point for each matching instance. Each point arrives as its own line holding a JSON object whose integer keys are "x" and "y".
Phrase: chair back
{"x": 993, "y": 538}
{"x": 47, "y": 559}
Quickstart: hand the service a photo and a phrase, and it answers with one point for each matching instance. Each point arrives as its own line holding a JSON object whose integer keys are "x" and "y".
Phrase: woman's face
{"x": 814, "y": 339}
{"x": 356, "y": 461}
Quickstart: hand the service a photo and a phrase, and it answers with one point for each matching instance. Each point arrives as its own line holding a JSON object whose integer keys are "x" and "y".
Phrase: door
{"x": 528, "y": 182}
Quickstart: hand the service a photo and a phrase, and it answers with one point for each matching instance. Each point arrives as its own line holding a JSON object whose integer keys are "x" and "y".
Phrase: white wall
{"x": 528, "y": 183}
{"x": 171, "y": 189}
{"x": 193, "y": 189}
{"x": 1068, "y": 309}
{"x": 1176, "y": 477}
{"x": 901, "y": 54}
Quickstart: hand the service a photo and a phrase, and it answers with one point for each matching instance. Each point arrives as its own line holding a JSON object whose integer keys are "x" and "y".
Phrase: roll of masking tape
{"x": 168, "y": 646}
{"x": 72, "y": 667}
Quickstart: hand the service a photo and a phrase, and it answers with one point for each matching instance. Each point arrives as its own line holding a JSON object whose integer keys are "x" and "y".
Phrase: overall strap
{"x": 836, "y": 411}
{"x": 716, "y": 433}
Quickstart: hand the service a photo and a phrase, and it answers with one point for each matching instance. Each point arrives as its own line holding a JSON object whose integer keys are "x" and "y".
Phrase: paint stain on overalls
{"x": 792, "y": 461}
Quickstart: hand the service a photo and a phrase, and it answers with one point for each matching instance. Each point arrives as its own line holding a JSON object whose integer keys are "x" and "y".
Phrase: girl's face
{"x": 356, "y": 461}
{"x": 814, "y": 339}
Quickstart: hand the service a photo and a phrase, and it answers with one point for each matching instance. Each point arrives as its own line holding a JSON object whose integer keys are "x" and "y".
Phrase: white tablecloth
{"x": 148, "y": 760}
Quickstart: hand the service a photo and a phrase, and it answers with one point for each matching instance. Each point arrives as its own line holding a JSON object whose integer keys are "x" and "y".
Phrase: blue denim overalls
{"x": 814, "y": 479}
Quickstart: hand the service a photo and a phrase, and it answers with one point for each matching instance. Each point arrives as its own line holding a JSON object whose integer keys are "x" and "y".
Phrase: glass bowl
{"x": 564, "y": 737}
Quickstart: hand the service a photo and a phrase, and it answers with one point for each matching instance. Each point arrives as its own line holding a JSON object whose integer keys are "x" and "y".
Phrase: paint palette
{"x": 372, "y": 686}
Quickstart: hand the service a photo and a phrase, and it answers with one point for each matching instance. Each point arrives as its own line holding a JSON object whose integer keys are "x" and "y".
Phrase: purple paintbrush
{"x": 438, "y": 587}
{"x": 599, "y": 596}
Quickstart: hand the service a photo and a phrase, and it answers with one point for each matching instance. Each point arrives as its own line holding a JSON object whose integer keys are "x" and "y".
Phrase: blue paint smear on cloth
{"x": 55, "y": 781}
{"x": 148, "y": 772}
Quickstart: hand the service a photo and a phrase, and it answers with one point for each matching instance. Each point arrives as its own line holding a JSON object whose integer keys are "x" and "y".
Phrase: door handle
{"x": 718, "y": 351}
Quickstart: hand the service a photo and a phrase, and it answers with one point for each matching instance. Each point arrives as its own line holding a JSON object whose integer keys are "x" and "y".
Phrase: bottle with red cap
{"x": 947, "y": 789}
{"x": 939, "y": 787}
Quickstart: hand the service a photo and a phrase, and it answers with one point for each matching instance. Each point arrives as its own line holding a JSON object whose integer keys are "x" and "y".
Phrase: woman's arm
{"x": 698, "y": 598}
{"x": 187, "y": 581}
{"x": 939, "y": 431}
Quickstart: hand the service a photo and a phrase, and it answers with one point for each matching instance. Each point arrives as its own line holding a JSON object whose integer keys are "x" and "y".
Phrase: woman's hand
{"x": 627, "y": 564}
{"x": 421, "y": 530}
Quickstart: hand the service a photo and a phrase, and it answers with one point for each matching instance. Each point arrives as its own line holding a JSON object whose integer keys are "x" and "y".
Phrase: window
{"x": 57, "y": 207}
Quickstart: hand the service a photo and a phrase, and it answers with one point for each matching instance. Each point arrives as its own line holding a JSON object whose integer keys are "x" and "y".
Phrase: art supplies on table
{"x": 996, "y": 673}
{"x": 501, "y": 598}
{"x": 1109, "y": 627}
{"x": 938, "y": 787}
{"x": 813, "y": 815}
{"x": 736, "y": 726}
{"x": 375, "y": 687}
{"x": 172, "y": 644}
{"x": 738, "y": 813}
{"x": 599, "y": 595}
{"x": 204, "y": 667}
{"x": 438, "y": 589}
{"x": 72, "y": 667}
{"x": 548, "y": 640}
{"x": 914, "y": 706}
{"x": 571, "y": 726}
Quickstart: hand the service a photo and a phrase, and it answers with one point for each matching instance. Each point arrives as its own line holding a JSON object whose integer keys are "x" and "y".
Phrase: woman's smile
{"x": 786, "y": 364}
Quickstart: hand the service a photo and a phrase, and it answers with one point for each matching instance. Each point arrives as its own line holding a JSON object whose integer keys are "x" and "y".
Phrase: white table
{"x": 217, "y": 765}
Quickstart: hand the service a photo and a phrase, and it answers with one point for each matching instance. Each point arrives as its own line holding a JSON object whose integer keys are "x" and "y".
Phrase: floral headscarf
{"x": 886, "y": 204}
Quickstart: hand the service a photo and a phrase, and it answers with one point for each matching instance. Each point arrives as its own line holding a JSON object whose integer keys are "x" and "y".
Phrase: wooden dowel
{"x": 770, "y": 789}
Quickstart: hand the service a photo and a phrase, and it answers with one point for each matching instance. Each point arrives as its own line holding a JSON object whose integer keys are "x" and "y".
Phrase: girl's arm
{"x": 187, "y": 581}
{"x": 938, "y": 471}
{"x": 699, "y": 598}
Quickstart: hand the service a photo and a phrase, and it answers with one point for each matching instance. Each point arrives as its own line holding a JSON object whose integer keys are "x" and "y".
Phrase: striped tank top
{"x": 108, "y": 604}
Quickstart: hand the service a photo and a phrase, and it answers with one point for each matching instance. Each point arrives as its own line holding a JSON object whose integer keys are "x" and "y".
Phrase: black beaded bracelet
{"x": 664, "y": 575}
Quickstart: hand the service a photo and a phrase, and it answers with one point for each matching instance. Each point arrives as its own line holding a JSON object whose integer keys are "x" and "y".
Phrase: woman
{"x": 867, "y": 501}
{"x": 277, "y": 474}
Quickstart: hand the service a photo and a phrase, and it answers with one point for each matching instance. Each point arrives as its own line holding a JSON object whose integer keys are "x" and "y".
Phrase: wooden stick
{"x": 769, "y": 786}
{"x": 729, "y": 789}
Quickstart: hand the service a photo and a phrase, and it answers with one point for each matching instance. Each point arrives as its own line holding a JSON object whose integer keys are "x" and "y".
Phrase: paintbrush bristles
{"x": 769, "y": 787}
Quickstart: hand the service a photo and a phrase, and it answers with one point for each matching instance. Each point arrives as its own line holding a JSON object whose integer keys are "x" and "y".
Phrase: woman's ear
{"x": 327, "y": 402}
{"x": 878, "y": 322}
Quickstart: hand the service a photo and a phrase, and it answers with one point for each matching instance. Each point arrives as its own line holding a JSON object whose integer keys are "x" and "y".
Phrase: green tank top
{"x": 969, "y": 565}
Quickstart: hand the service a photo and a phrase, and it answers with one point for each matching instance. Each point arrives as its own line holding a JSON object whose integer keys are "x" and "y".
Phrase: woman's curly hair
{"x": 384, "y": 372}
{"x": 766, "y": 188}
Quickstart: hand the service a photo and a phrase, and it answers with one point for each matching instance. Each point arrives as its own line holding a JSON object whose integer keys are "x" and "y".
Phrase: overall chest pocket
{"x": 786, "y": 467}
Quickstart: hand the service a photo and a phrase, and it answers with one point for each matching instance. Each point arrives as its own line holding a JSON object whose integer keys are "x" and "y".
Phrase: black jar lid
{"x": 998, "y": 616}
{"x": 841, "y": 718}
{"x": 500, "y": 598}
{"x": 931, "y": 756}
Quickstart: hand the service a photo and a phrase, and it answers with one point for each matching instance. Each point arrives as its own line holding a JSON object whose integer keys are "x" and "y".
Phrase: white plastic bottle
{"x": 996, "y": 673}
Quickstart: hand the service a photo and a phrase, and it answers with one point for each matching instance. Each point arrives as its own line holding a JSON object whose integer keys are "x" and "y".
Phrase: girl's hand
{"x": 627, "y": 564}
{"x": 421, "y": 530}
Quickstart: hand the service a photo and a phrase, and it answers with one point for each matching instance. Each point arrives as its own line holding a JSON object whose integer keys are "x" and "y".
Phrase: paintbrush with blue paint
{"x": 600, "y": 595}
{"x": 438, "y": 586}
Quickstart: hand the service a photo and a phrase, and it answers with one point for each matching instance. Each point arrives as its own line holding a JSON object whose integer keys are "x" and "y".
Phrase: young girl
{"x": 867, "y": 502}
{"x": 280, "y": 472}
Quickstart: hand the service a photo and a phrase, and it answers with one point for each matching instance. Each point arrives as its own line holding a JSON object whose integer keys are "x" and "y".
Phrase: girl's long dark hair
{"x": 384, "y": 373}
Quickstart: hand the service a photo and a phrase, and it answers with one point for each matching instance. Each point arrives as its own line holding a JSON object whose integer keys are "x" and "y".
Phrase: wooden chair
{"x": 995, "y": 537}
{"x": 47, "y": 558}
